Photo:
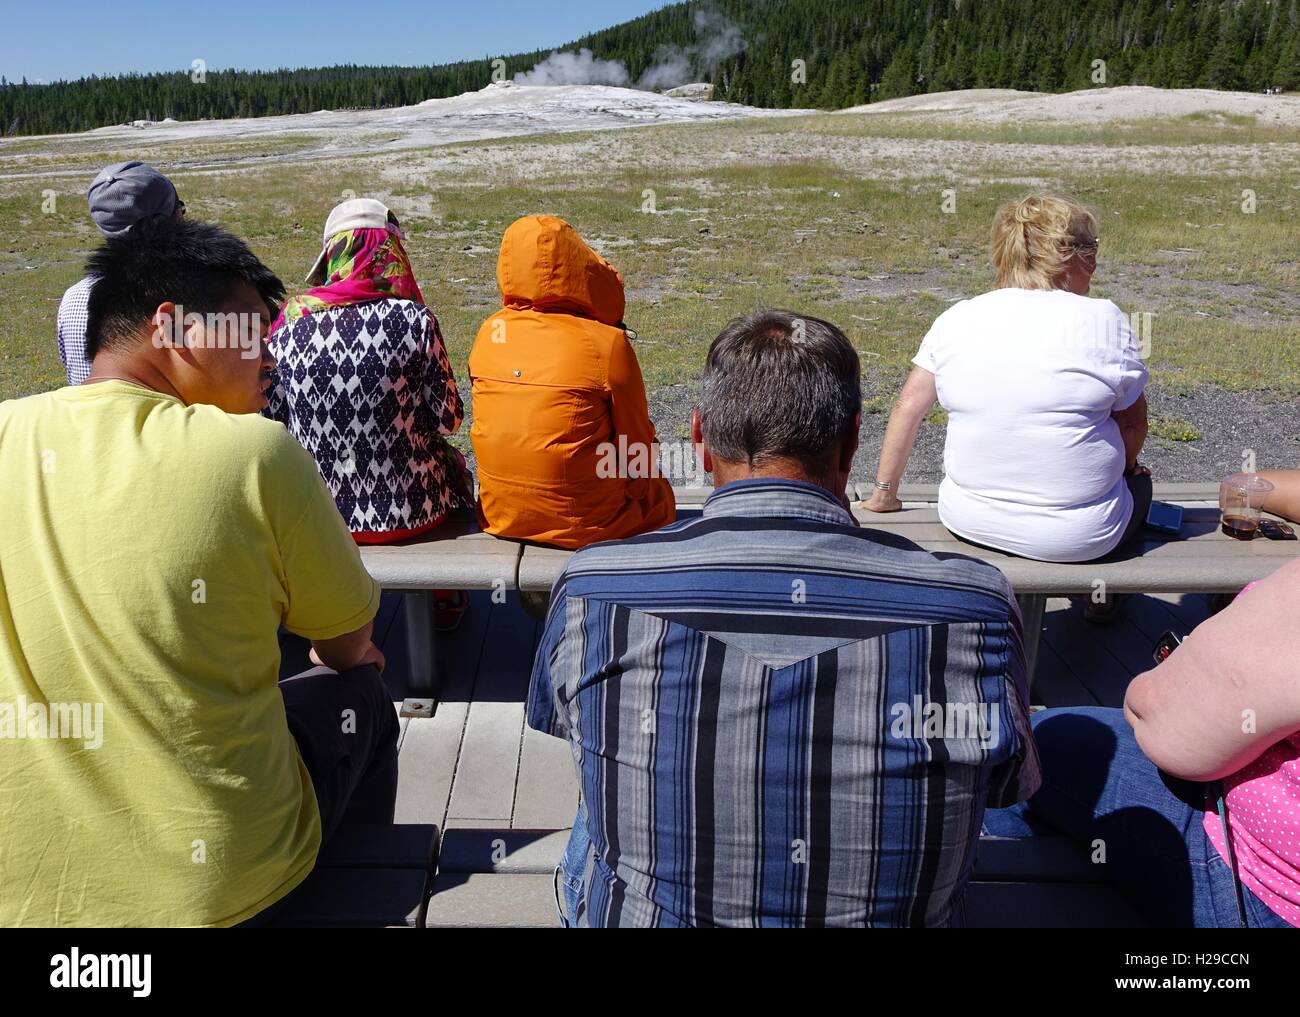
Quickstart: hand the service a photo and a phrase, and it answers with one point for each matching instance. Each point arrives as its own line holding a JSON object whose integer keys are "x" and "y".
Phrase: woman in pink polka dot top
{"x": 1208, "y": 743}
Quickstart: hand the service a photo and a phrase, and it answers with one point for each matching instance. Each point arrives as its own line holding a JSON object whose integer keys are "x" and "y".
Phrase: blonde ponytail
{"x": 1035, "y": 237}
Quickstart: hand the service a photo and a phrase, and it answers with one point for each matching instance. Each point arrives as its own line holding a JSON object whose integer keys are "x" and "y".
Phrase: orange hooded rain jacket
{"x": 562, "y": 433}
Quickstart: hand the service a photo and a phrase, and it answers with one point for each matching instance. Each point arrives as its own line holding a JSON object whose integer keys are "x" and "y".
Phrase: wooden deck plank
{"x": 503, "y": 851}
{"x": 365, "y": 898}
{"x": 488, "y": 900}
{"x": 1122, "y": 638}
{"x": 1055, "y": 684}
{"x": 507, "y": 658}
{"x": 546, "y": 794}
{"x": 1150, "y": 616}
{"x": 1186, "y": 611}
{"x": 457, "y": 653}
{"x": 1144, "y": 619}
{"x": 1086, "y": 652}
{"x": 484, "y": 787}
{"x": 460, "y": 823}
{"x": 380, "y": 846}
{"x": 429, "y": 753}
{"x": 1128, "y": 643}
{"x": 426, "y": 764}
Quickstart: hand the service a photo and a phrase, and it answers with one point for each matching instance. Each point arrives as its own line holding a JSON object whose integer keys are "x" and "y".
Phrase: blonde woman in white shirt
{"x": 1043, "y": 386}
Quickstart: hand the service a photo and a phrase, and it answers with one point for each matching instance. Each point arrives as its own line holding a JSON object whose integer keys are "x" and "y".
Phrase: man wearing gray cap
{"x": 120, "y": 197}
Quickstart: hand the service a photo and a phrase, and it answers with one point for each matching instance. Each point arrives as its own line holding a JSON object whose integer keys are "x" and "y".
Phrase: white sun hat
{"x": 354, "y": 214}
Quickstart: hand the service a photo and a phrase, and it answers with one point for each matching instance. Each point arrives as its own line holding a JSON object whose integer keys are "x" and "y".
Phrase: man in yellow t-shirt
{"x": 155, "y": 533}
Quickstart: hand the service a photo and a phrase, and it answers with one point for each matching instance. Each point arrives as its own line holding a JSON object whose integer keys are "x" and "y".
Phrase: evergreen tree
{"x": 856, "y": 50}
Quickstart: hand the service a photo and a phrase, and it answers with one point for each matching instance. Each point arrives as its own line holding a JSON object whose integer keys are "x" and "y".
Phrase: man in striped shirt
{"x": 779, "y": 718}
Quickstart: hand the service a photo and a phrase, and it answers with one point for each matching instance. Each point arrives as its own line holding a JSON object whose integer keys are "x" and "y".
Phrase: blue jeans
{"x": 1101, "y": 791}
{"x": 571, "y": 871}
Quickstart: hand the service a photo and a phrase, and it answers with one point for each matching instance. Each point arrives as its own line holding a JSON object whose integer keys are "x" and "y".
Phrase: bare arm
{"x": 1133, "y": 429}
{"x": 1229, "y": 692}
{"x": 353, "y": 649}
{"x": 914, "y": 401}
{"x": 1284, "y": 499}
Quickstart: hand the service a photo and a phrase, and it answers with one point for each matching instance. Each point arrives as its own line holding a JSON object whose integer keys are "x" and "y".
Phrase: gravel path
{"x": 1229, "y": 423}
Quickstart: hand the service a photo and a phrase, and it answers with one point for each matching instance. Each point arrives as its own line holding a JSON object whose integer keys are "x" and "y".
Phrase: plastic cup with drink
{"x": 1240, "y": 498}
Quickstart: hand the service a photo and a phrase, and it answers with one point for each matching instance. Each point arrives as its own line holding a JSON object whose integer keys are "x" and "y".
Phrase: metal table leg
{"x": 418, "y": 608}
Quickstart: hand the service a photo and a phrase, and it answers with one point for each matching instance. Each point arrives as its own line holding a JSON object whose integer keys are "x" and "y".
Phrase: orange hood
{"x": 544, "y": 265}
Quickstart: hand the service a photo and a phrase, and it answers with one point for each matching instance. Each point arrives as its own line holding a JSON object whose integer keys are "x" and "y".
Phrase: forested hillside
{"x": 852, "y": 51}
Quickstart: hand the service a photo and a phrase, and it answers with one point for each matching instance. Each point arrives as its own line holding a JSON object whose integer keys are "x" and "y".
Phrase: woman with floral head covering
{"x": 364, "y": 382}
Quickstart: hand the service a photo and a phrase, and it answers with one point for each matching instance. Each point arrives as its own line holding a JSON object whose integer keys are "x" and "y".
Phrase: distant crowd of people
{"x": 778, "y": 715}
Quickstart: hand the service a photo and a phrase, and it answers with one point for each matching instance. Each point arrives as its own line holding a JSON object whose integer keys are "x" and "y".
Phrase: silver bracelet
{"x": 884, "y": 487}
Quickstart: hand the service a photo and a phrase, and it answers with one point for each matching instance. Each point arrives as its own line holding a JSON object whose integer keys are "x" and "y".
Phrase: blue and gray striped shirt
{"x": 779, "y": 718}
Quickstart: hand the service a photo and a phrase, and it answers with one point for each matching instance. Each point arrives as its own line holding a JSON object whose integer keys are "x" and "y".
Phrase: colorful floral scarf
{"x": 362, "y": 265}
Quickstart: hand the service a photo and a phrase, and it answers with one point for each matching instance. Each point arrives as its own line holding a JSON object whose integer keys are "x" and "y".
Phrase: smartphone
{"x": 1165, "y": 517}
{"x": 1165, "y": 645}
{"x": 1275, "y": 530}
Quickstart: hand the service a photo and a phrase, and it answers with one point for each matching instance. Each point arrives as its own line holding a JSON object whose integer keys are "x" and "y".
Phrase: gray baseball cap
{"x": 127, "y": 192}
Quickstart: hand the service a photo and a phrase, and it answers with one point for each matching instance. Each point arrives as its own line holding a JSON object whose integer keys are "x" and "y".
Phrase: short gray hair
{"x": 779, "y": 385}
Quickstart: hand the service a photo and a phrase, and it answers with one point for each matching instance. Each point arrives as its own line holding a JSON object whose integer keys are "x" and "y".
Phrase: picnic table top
{"x": 458, "y": 555}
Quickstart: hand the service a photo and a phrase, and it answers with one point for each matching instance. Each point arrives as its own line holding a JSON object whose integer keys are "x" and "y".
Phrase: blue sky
{"x": 51, "y": 39}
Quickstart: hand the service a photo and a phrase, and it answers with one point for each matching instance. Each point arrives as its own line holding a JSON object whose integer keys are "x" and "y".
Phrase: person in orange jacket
{"x": 562, "y": 433}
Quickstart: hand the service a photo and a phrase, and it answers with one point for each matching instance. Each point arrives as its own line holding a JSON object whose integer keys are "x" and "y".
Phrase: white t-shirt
{"x": 1033, "y": 462}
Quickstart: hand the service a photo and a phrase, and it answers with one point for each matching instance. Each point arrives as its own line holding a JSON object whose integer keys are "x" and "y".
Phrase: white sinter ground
{"x": 500, "y": 110}
{"x": 1091, "y": 105}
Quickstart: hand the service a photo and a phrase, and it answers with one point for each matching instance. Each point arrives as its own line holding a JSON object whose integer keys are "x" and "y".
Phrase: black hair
{"x": 779, "y": 385}
{"x": 193, "y": 264}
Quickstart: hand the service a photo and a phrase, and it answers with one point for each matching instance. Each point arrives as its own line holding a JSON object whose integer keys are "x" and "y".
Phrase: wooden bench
{"x": 457, "y": 556}
{"x": 504, "y": 877}
{"x": 1200, "y": 560}
{"x": 368, "y": 876}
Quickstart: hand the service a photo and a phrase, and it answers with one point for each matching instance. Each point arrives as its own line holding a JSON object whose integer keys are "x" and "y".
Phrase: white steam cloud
{"x": 672, "y": 67}
{"x": 717, "y": 37}
{"x": 580, "y": 68}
